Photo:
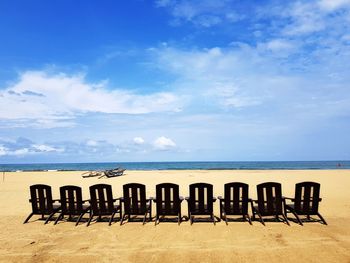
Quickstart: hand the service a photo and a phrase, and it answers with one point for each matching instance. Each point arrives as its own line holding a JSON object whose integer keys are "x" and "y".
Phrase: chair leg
{"x": 111, "y": 219}
{"x": 49, "y": 218}
{"x": 90, "y": 218}
{"x": 58, "y": 218}
{"x": 213, "y": 218}
{"x": 285, "y": 219}
{"x": 249, "y": 219}
{"x": 156, "y": 220}
{"x": 297, "y": 217}
{"x": 225, "y": 218}
{"x": 191, "y": 218}
{"x": 122, "y": 219}
{"x": 150, "y": 212}
{"x": 179, "y": 219}
{"x": 80, "y": 217}
{"x": 27, "y": 219}
{"x": 221, "y": 215}
{"x": 322, "y": 219}
{"x": 261, "y": 219}
{"x": 144, "y": 218}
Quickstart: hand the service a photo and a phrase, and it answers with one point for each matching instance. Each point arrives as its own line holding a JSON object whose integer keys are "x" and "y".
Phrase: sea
{"x": 261, "y": 165}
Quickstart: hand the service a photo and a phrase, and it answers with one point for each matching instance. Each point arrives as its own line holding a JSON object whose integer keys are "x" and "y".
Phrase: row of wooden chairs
{"x": 269, "y": 203}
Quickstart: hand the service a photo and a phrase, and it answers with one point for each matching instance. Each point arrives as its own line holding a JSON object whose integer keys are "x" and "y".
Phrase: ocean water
{"x": 288, "y": 165}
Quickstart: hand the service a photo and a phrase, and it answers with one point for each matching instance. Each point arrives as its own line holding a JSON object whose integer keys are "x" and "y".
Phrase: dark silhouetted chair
{"x": 270, "y": 202}
{"x": 72, "y": 203}
{"x": 135, "y": 202}
{"x": 102, "y": 202}
{"x": 200, "y": 201}
{"x": 168, "y": 201}
{"x": 235, "y": 201}
{"x": 42, "y": 202}
{"x": 305, "y": 202}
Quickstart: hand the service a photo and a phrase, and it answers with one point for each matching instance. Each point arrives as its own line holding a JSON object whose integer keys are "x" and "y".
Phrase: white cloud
{"x": 91, "y": 143}
{"x": 279, "y": 44}
{"x": 139, "y": 140}
{"x": 163, "y": 3}
{"x": 216, "y": 76}
{"x": 45, "y": 148}
{"x": 3, "y": 150}
{"x": 331, "y": 5}
{"x": 62, "y": 97}
{"x": 202, "y": 13}
{"x": 164, "y": 143}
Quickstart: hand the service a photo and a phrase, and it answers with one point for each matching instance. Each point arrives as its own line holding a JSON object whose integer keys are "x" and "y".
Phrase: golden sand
{"x": 168, "y": 242}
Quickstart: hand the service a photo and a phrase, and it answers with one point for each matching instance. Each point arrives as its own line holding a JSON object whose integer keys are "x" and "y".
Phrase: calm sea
{"x": 293, "y": 165}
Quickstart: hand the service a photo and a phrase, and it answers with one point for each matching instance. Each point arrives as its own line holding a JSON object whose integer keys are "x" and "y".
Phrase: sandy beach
{"x": 168, "y": 242}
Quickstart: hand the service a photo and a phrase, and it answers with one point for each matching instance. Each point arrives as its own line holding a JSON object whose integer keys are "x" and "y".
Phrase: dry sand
{"x": 168, "y": 242}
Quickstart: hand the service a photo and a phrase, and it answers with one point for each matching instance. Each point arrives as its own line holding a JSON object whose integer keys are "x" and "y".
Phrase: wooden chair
{"x": 135, "y": 202}
{"x": 72, "y": 203}
{"x": 200, "y": 201}
{"x": 168, "y": 201}
{"x": 270, "y": 202}
{"x": 305, "y": 202}
{"x": 235, "y": 201}
{"x": 102, "y": 202}
{"x": 42, "y": 202}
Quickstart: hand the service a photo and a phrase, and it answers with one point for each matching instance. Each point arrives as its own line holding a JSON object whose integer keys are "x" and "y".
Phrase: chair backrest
{"x": 236, "y": 198}
{"x": 41, "y": 199}
{"x": 71, "y": 200}
{"x": 270, "y": 198}
{"x": 167, "y": 197}
{"x": 101, "y": 199}
{"x": 134, "y": 199}
{"x": 307, "y": 198}
{"x": 201, "y": 198}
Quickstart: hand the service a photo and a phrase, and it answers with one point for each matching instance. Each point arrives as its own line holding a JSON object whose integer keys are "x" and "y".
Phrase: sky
{"x": 174, "y": 80}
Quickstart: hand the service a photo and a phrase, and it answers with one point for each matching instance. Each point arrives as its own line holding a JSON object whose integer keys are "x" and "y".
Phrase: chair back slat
{"x": 167, "y": 197}
{"x": 201, "y": 199}
{"x": 101, "y": 199}
{"x": 270, "y": 198}
{"x": 41, "y": 199}
{"x": 134, "y": 199}
{"x": 71, "y": 200}
{"x": 236, "y": 198}
{"x": 307, "y": 195}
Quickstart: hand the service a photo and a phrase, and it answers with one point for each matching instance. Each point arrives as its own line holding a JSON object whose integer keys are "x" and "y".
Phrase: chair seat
{"x": 139, "y": 211}
{"x": 55, "y": 207}
{"x": 265, "y": 213}
{"x": 292, "y": 207}
{"x": 230, "y": 210}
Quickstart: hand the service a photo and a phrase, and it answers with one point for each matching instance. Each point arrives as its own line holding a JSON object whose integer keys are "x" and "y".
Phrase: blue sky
{"x": 174, "y": 80}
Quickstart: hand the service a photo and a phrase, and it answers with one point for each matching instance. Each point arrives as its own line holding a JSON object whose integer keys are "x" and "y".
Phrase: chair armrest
{"x": 151, "y": 198}
{"x": 187, "y": 198}
{"x": 181, "y": 198}
{"x": 214, "y": 199}
{"x": 115, "y": 199}
{"x": 288, "y": 198}
{"x": 220, "y": 198}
